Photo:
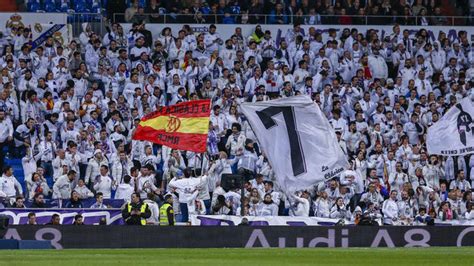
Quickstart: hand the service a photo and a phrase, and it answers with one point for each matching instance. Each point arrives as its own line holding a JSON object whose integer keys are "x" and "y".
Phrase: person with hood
{"x": 257, "y": 35}
{"x": 438, "y": 57}
{"x": 84, "y": 37}
{"x": 93, "y": 166}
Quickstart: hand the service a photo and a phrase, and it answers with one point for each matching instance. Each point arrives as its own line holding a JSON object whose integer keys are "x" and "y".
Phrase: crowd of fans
{"x": 311, "y": 12}
{"x": 70, "y": 112}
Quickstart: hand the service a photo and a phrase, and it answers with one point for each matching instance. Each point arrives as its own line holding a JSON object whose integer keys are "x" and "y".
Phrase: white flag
{"x": 298, "y": 141}
{"x": 453, "y": 134}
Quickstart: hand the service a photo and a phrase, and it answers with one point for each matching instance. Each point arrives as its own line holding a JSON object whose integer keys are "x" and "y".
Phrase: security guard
{"x": 136, "y": 212}
{"x": 166, "y": 211}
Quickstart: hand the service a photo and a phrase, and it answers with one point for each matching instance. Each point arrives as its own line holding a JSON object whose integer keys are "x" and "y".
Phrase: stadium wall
{"x": 88, "y": 236}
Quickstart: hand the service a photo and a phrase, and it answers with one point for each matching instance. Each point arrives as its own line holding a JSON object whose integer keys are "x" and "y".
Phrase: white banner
{"x": 298, "y": 141}
{"x": 453, "y": 134}
{"x": 229, "y": 220}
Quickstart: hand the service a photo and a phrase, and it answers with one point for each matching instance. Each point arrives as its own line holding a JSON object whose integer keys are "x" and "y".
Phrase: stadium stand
{"x": 68, "y": 111}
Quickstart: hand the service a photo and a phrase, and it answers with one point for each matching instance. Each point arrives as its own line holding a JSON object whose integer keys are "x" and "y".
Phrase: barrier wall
{"x": 230, "y": 220}
{"x": 87, "y": 236}
{"x": 66, "y": 216}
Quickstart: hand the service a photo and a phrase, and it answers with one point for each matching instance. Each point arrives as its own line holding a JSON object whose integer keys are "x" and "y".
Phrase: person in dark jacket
{"x": 136, "y": 212}
{"x": 38, "y": 201}
{"x": 75, "y": 201}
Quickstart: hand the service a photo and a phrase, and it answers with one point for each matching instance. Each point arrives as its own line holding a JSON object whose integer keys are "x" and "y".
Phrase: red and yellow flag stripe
{"x": 183, "y": 126}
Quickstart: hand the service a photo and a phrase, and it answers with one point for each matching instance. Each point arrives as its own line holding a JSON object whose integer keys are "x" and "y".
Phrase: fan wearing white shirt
{"x": 228, "y": 55}
{"x": 6, "y": 134}
{"x": 377, "y": 64}
{"x": 47, "y": 149}
{"x": 125, "y": 189}
{"x": 302, "y": 205}
{"x": 103, "y": 183}
{"x": 253, "y": 83}
{"x": 63, "y": 186}
{"x": 186, "y": 188}
{"x": 300, "y": 75}
{"x": 130, "y": 88}
{"x": 407, "y": 73}
{"x": 212, "y": 39}
{"x": 423, "y": 86}
{"x": 390, "y": 208}
{"x": 9, "y": 184}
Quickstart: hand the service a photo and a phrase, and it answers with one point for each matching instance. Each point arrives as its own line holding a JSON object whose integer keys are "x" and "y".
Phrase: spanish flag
{"x": 183, "y": 126}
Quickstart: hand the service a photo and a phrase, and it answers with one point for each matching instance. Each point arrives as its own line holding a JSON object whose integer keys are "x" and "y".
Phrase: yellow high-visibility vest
{"x": 164, "y": 214}
{"x": 142, "y": 210}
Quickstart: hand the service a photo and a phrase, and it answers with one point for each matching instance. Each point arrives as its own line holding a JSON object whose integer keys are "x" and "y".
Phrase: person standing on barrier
{"x": 166, "y": 212}
{"x": 136, "y": 212}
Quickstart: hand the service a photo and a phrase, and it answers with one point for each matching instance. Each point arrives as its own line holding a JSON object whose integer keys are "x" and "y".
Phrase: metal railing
{"x": 96, "y": 21}
{"x": 289, "y": 19}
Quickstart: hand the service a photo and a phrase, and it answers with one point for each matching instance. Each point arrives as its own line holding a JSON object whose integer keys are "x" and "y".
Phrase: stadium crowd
{"x": 69, "y": 112}
{"x": 310, "y": 12}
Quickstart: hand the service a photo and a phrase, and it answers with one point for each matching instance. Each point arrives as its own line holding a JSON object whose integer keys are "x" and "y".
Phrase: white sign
{"x": 230, "y": 220}
{"x": 298, "y": 141}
